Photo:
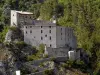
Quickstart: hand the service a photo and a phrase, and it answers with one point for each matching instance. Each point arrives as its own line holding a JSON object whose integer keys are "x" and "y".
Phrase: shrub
{"x": 13, "y": 28}
{"x": 41, "y": 64}
{"x": 21, "y": 44}
{"x": 48, "y": 72}
{"x": 52, "y": 58}
{"x": 41, "y": 48}
{"x": 64, "y": 65}
{"x": 46, "y": 56}
{"x": 35, "y": 70}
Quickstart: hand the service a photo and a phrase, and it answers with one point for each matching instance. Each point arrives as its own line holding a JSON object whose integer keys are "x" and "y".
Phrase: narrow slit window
{"x": 41, "y": 38}
{"x": 50, "y": 37}
{"x": 41, "y": 31}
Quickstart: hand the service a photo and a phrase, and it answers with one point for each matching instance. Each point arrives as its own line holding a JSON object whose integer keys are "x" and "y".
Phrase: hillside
{"x": 82, "y": 15}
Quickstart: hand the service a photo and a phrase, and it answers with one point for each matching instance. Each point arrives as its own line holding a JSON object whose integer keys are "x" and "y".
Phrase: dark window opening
{"x": 26, "y": 32}
{"x": 61, "y": 33}
{"x": 26, "y": 26}
{"x": 50, "y": 37}
{"x": 13, "y": 14}
{"x": 50, "y": 45}
{"x": 45, "y": 35}
{"x": 41, "y": 26}
{"x": 49, "y": 31}
{"x": 61, "y": 29}
{"x": 41, "y": 38}
{"x": 49, "y": 26}
{"x": 41, "y": 31}
{"x": 30, "y": 31}
{"x": 30, "y": 26}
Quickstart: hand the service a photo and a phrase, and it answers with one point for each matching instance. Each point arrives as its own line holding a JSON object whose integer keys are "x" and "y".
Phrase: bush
{"x": 64, "y": 65}
{"x": 13, "y": 28}
{"x": 21, "y": 44}
{"x": 52, "y": 58}
{"x": 35, "y": 70}
{"x": 41, "y": 48}
{"x": 46, "y": 56}
{"x": 48, "y": 72}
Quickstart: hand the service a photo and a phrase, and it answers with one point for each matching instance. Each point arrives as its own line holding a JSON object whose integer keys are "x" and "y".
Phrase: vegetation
{"x": 38, "y": 54}
{"x": 3, "y": 34}
{"x": 48, "y": 72}
{"x": 82, "y": 15}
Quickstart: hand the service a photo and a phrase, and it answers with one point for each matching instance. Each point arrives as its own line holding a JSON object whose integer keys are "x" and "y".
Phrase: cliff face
{"x": 14, "y": 34}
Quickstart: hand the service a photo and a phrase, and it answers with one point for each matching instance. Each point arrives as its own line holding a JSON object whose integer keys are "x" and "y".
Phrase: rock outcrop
{"x": 14, "y": 34}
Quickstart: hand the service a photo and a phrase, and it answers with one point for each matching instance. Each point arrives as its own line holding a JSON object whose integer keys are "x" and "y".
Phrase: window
{"x": 26, "y": 26}
{"x": 61, "y": 33}
{"x": 50, "y": 37}
{"x": 50, "y": 45}
{"x": 30, "y": 26}
{"x": 61, "y": 29}
{"x": 41, "y": 26}
{"x": 49, "y": 26}
{"x": 30, "y": 31}
{"x": 41, "y": 38}
{"x": 49, "y": 31}
{"x": 45, "y": 35}
{"x": 41, "y": 31}
{"x": 26, "y": 32}
{"x": 13, "y": 14}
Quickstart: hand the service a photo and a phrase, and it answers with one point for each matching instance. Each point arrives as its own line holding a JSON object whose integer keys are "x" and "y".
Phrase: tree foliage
{"x": 82, "y": 15}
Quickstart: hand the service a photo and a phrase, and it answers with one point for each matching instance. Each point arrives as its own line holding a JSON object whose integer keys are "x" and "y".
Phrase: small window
{"x": 45, "y": 35}
{"x": 50, "y": 45}
{"x": 41, "y": 38}
{"x": 49, "y": 31}
{"x": 50, "y": 37}
{"x": 41, "y": 26}
{"x": 13, "y": 14}
{"x": 26, "y": 32}
{"x": 49, "y": 26}
{"x": 61, "y": 33}
{"x": 61, "y": 29}
{"x": 30, "y": 31}
{"x": 26, "y": 26}
{"x": 30, "y": 26}
{"x": 41, "y": 31}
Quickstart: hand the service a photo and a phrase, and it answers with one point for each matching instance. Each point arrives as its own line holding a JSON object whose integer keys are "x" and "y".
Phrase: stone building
{"x": 20, "y": 18}
{"x": 43, "y": 32}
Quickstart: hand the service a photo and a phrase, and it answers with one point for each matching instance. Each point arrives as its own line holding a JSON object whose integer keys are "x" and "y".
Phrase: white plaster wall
{"x": 21, "y": 19}
{"x": 13, "y": 18}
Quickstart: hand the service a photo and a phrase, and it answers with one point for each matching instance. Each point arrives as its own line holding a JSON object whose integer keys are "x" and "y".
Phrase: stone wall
{"x": 57, "y": 52}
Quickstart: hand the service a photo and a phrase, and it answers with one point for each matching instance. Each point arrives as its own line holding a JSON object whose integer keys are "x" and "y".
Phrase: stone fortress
{"x": 43, "y": 32}
{"x": 58, "y": 40}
